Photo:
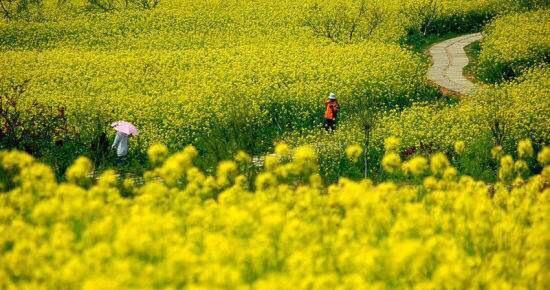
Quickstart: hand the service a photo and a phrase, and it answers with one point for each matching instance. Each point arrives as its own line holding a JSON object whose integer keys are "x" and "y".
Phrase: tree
{"x": 109, "y": 5}
{"x": 534, "y": 4}
{"x": 342, "y": 21}
{"x": 144, "y": 4}
{"x": 33, "y": 128}
{"x": 103, "y": 5}
{"x": 12, "y": 9}
{"x": 423, "y": 14}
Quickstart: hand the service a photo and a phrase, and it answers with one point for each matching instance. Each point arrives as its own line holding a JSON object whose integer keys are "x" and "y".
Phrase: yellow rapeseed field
{"x": 189, "y": 72}
{"x": 458, "y": 189}
{"x": 510, "y": 48}
{"x": 185, "y": 229}
{"x": 519, "y": 106}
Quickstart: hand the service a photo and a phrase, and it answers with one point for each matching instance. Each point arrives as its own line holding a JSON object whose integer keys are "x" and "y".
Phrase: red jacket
{"x": 331, "y": 109}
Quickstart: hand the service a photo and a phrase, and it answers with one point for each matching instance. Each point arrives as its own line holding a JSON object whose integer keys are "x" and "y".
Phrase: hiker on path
{"x": 331, "y": 112}
{"x": 124, "y": 131}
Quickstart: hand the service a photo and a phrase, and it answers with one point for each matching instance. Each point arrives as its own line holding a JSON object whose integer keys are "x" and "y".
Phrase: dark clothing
{"x": 329, "y": 124}
{"x": 121, "y": 161}
{"x": 100, "y": 148}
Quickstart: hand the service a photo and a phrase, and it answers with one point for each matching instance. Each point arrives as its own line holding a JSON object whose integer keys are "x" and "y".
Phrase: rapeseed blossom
{"x": 243, "y": 158}
{"x": 439, "y": 163}
{"x": 459, "y": 147}
{"x": 282, "y": 150}
{"x": 79, "y": 172}
{"x": 205, "y": 71}
{"x": 417, "y": 166}
{"x": 353, "y": 152}
{"x": 521, "y": 167}
{"x": 157, "y": 153}
{"x": 207, "y": 232}
{"x": 391, "y": 162}
{"x": 506, "y": 170}
{"x": 496, "y": 152}
{"x": 391, "y": 144}
{"x": 226, "y": 173}
{"x": 450, "y": 173}
{"x": 512, "y": 44}
{"x": 472, "y": 118}
{"x": 525, "y": 148}
{"x": 544, "y": 156}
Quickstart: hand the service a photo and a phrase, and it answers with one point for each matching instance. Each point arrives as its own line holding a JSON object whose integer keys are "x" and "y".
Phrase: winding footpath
{"x": 449, "y": 60}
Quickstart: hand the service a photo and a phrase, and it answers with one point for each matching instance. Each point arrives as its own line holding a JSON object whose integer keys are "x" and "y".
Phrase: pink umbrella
{"x": 125, "y": 127}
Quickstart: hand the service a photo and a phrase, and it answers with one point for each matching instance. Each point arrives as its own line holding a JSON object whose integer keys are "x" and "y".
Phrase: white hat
{"x": 332, "y": 96}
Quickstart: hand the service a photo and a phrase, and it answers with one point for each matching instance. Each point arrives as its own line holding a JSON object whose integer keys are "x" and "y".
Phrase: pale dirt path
{"x": 449, "y": 60}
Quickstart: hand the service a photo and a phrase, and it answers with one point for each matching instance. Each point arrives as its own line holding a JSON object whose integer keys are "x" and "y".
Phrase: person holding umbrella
{"x": 124, "y": 130}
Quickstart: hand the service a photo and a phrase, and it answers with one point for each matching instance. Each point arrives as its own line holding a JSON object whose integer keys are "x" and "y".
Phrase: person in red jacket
{"x": 331, "y": 112}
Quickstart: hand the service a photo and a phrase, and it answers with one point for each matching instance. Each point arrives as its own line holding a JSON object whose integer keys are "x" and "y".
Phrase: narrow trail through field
{"x": 449, "y": 60}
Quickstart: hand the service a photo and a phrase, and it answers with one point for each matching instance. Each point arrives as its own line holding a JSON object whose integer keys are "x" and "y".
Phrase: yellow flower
{"x": 305, "y": 154}
{"x": 176, "y": 165}
{"x": 391, "y": 162}
{"x": 544, "y": 156}
{"x": 271, "y": 162}
{"x": 265, "y": 180}
{"x": 391, "y": 144}
{"x": 438, "y": 163}
{"x": 353, "y": 152}
{"x": 459, "y": 147}
{"x": 107, "y": 179}
{"x": 521, "y": 167}
{"x": 546, "y": 174}
{"x": 506, "y": 170}
{"x": 280, "y": 217}
{"x": 304, "y": 162}
{"x": 496, "y": 152}
{"x": 430, "y": 183}
{"x": 518, "y": 181}
{"x": 243, "y": 158}
{"x": 525, "y": 149}
{"x": 80, "y": 171}
{"x": 129, "y": 183}
{"x": 208, "y": 230}
{"x": 15, "y": 159}
{"x": 226, "y": 173}
{"x": 157, "y": 153}
{"x": 417, "y": 166}
{"x": 282, "y": 150}
{"x": 450, "y": 173}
